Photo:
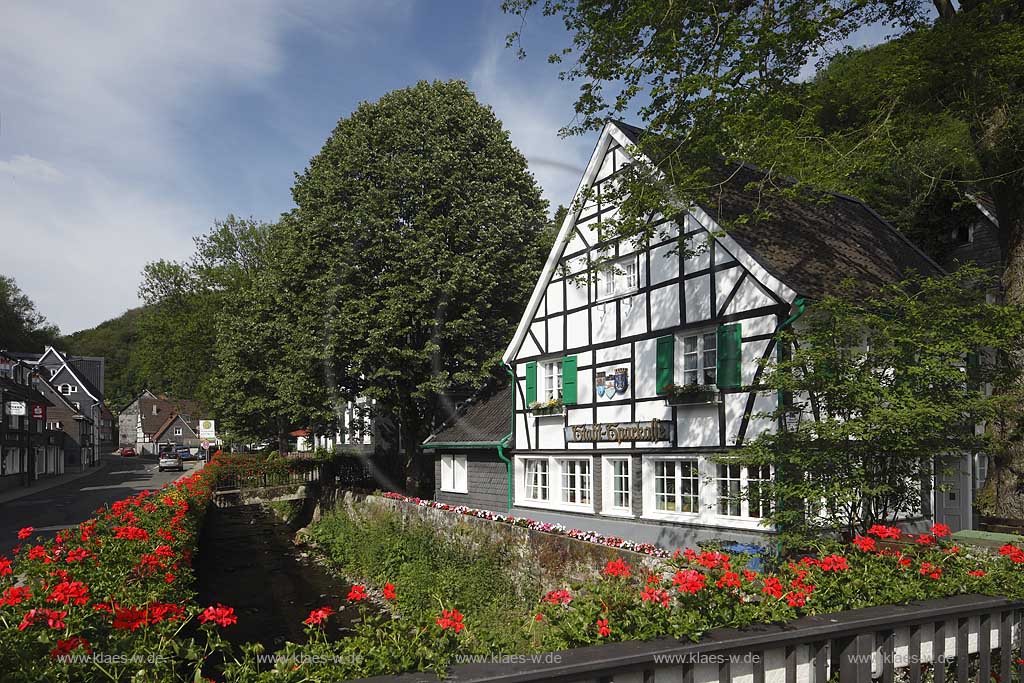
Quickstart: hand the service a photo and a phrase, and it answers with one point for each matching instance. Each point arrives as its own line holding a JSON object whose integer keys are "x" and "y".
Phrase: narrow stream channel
{"x": 247, "y": 560}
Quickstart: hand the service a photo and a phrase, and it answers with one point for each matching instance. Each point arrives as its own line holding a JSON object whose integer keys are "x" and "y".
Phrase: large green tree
{"x": 916, "y": 126}
{"x": 418, "y": 236}
{"x": 186, "y": 300}
{"x": 22, "y": 327}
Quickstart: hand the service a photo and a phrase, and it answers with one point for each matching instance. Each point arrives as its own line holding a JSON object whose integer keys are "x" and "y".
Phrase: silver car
{"x": 170, "y": 461}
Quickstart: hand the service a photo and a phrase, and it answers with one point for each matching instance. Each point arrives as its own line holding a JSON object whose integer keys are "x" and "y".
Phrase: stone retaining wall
{"x": 552, "y": 559}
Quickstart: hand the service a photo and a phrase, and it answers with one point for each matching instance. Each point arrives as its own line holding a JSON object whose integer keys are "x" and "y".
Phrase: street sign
{"x": 15, "y": 407}
{"x": 205, "y": 444}
{"x": 207, "y": 429}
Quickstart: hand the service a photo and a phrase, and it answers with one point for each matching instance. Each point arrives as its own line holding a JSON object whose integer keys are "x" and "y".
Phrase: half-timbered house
{"x": 634, "y": 363}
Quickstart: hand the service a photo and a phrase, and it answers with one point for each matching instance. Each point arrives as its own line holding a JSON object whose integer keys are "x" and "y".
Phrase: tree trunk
{"x": 1003, "y": 495}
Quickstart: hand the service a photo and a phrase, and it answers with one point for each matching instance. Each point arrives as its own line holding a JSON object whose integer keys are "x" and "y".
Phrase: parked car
{"x": 128, "y": 452}
{"x": 170, "y": 461}
{"x": 185, "y": 452}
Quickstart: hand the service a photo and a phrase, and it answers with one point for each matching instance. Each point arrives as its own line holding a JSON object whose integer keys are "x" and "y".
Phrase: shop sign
{"x": 16, "y": 408}
{"x": 38, "y": 411}
{"x": 620, "y": 432}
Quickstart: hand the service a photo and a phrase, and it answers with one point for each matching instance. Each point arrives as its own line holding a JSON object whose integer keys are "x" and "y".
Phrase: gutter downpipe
{"x": 508, "y": 439}
{"x": 800, "y": 304}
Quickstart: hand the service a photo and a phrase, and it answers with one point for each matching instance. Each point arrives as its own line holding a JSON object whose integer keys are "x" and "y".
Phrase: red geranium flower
{"x": 167, "y": 611}
{"x": 689, "y": 580}
{"x": 219, "y": 614}
{"x": 885, "y": 531}
{"x": 655, "y": 595}
{"x": 67, "y": 592}
{"x": 834, "y": 563}
{"x": 618, "y": 567}
{"x": 976, "y": 572}
{"x": 772, "y": 587}
{"x": 54, "y": 618}
{"x": 25, "y": 532}
{"x": 558, "y": 597}
{"x": 389, "y": 591}
{"x": 65, "y": 646}
{"x": 129, "y": 618}
{"x": 713, "y": 560}
{"x": 5, "y": 566}
{"x": 15, "y": 594}
{"x": 318, "y": 616}
{"x": 38, "y": 552}
{"x": 864, "y": 543}
{"x": 1015, "y": 554}
{"x": 451, "y": 619}
{"x": 538, "y": 617}
{"x": 729, "y": 580}
{"x": 76, "y": 555}
{"x": 925, "y": 539}
{"x": 602, "y": 628}
{"x": 357, "y": 593}
{"x": 940, "y": 530}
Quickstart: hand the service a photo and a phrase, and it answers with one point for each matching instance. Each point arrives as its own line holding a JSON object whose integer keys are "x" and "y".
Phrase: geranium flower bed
{"x": 111, "y": 599}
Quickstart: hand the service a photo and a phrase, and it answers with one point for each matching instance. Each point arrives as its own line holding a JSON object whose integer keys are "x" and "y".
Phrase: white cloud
{"x": 108, "y": 93}
{"x": 27, "y": 167}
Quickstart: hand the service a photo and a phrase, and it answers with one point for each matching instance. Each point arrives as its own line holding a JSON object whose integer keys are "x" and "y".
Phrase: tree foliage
{"x": 186, "y": 301}
{"x": 886, "y": 389}
{"x": 417, "y": 238}
{"x": 22, "y": 327}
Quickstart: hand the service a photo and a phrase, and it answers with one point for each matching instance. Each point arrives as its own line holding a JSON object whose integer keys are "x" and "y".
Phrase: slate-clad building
{"x": 469, "y": 451}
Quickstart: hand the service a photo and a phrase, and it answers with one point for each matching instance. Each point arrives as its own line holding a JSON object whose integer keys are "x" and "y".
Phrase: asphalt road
{"x": 68, "y": 504}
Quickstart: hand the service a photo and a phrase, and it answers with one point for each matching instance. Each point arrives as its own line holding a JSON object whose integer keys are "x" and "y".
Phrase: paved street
{"x": 75, "y": 501}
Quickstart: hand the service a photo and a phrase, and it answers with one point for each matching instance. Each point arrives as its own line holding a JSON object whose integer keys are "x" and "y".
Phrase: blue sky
{"x": 127, "y": 128}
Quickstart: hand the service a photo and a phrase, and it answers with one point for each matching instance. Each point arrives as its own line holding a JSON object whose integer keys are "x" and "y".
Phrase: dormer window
{"x": 53, "y": 372}
{"x": 618, "y": 277}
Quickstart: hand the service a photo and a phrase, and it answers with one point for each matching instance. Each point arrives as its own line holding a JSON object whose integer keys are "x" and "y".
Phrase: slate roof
{"x": 484, "y": 418}
{"x": 812, "y": 246}
{"x": 167, "y": 408}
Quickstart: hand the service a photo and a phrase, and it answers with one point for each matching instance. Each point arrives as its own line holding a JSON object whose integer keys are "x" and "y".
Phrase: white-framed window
{"x": 576, "y": 480}
{"x": 177, "y": 431}
{"x": 53, "y": 372}
{"x": 453, "y": 473}
{"x": 551, "y": 380}
{"x": 700, "y": 358}
{"x": 64, "y": 389}
{"x": 555, "y": 482}
{"x": 732, "y": 480}
{"x": 617, "y": 486}
{"x": 535, "y": 482}
{"x": 675, "y": 486}
{"x": 618, "y": 277}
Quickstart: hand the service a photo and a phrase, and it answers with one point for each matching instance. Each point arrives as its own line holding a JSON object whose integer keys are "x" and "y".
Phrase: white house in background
{"x": 355, "y": 429}
{"x": 610, "y": 324}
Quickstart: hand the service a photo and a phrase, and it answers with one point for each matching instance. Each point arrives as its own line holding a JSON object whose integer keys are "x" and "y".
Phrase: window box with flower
{"x": 550, "y": 407}
{"x": 690, "y": 394}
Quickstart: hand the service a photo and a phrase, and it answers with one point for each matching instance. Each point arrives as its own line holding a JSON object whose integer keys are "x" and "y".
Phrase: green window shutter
{"x": 531, "y": 382}
{"x": 730, "y": 356}
{"x": 666, "y": 363}
{"x": 569, "y": 380}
